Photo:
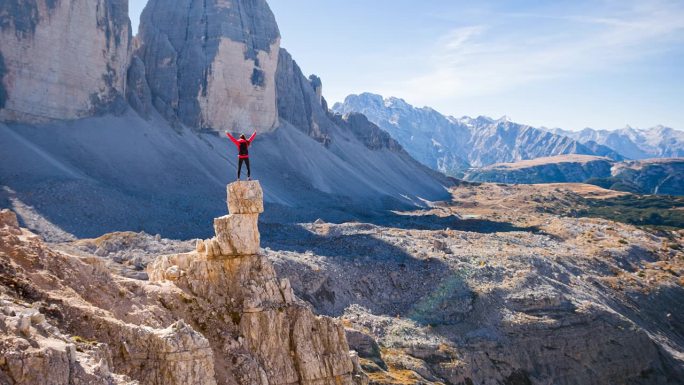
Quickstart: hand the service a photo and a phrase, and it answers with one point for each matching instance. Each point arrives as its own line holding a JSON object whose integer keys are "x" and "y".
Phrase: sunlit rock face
{"x": 265, "y": 334}
{"x": 62, "y": 59}
{"x": 211, "y": 64}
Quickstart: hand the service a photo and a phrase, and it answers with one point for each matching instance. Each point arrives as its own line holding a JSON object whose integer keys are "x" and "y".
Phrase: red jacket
{"x": 242, "y": 145}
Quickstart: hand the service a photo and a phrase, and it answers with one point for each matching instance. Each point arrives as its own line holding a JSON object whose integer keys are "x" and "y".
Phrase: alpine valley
{"x": 477, "y": 148}
{"x": 130, "y": 255}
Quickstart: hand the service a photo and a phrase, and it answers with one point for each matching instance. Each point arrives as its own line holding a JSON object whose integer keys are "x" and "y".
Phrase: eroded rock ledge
{"x": 206, "y": 317}
{"x": 276, "y": 339}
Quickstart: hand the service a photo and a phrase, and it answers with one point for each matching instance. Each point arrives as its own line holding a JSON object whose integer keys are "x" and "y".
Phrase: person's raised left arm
{"x": 251, "y": 138}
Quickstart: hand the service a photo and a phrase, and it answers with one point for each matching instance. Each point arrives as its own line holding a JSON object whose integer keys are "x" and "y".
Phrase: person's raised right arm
{"x": 235, "y": 142}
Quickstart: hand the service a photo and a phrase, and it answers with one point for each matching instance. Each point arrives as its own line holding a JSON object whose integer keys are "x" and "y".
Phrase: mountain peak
{"x": 193, "y": 77}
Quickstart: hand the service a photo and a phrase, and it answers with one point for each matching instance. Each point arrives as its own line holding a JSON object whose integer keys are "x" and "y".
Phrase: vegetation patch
{"x": 660, "y": 211}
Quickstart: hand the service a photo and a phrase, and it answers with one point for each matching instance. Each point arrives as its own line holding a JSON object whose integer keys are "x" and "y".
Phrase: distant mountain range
{"x": 453, "y": 145}
{"x": 633, "y": 143}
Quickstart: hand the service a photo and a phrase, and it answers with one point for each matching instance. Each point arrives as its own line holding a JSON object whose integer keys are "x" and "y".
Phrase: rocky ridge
{"x": 555, "y": 169}
{"x": 650, "y": 176}
{"x": 218, "y": 315}
{"x": 452, "y": 145}
{"x": 633, "y": 143}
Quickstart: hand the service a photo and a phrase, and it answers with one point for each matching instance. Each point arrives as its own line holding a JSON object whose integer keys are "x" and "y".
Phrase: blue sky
{"x": 569, "y": 64}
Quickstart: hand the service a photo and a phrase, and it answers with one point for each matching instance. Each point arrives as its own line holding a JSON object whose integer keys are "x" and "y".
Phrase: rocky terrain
{"x": 499, "y": 285}
{"x": 651, "y": 176}
{"x": 489, "y": 289}
{"x": 113, "y": 160}
{"x": 218, "y": 315}
{"x": 452, "y": 145}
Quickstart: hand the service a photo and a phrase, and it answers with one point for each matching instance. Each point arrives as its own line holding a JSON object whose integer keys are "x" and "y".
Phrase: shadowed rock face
{"x": 3, "y": 91}
{"x": 298, "y": 102}
{"x": 48, "y": 70}
{"x": 22, "y": 16}
{"x": 212, "y": 63}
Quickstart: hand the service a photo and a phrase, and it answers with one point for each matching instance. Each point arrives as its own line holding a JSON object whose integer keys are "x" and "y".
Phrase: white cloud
{"x": 482, "y": 59}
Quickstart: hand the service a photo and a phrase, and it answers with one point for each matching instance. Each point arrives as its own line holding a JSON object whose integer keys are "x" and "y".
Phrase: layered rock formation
{"x": 298, "y": 100}
{"x": 67, "y": 320}
{"x": 80, "y": 71}
{"x": 212, "y": 64}
{"x": 274, "y": 339}
{"x": 219, "y": 315}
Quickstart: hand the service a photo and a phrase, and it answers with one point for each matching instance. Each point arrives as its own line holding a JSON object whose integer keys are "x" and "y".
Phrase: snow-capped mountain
{"x": 452, "y": 145}
{"x": 634, "y": 143}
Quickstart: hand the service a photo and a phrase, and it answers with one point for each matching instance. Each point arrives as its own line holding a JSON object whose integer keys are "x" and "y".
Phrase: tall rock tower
{"x": 62, "y": 59}
{"x": 259, "y": 332}
{"x": 211, "y": 64}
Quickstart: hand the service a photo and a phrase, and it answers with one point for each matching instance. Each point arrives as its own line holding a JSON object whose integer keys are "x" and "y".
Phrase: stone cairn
{"x": 237, "y": 233}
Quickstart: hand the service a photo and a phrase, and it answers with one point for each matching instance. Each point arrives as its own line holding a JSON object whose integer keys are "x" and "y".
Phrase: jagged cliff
{"x": 219, "y": 315}
{"x": 212, "y": 64}
{"x": 80, "y": 71}
{"x": 275, "y": 339}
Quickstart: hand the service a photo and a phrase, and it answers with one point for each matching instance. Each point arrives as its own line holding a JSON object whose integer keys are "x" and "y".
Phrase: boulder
{"x": 185, "y": 356}
{"x": 245, "y": 198}
{"x": 237, "y": 234}
{"x": 365, "y": 346}
{"x": 9, "y": 220}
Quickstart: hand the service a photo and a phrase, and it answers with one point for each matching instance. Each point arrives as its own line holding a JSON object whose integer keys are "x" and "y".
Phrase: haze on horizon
{"x": 601, "y": 64}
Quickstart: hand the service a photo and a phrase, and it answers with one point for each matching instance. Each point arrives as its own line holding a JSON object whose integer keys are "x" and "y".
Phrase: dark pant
{"x": 246, "y": 162}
